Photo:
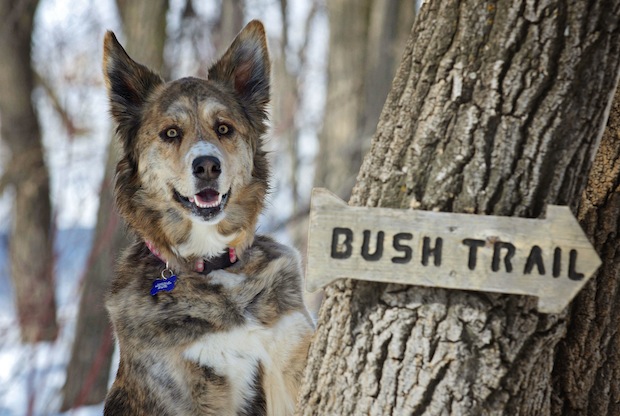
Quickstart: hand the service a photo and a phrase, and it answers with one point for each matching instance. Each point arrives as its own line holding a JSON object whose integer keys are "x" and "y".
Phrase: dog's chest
{"x": 237, "y": 355}
{"x": 197, "y": 244}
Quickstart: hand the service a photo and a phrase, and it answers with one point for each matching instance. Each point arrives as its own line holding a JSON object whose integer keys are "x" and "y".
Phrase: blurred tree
{"x": 144, "y": 25}
{"x": 31, "y": 242}
{"x": 230, "y": 23}
{"x": 366, "y": 41}
{"x": 497, "y": 108}
{"x": 289, "y": 70}
{"x": 286, "y": 96}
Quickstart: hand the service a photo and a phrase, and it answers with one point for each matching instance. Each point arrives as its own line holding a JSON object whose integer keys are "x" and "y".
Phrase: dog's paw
{"x": 227, "y": 279}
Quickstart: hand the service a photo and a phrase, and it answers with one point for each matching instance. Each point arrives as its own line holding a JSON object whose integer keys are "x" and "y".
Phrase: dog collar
{"x": 222, "y": 261}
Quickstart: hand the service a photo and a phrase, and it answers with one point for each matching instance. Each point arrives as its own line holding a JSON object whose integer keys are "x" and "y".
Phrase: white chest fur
{"x": 204, "y": 241}
{"x": 235, "y": 355}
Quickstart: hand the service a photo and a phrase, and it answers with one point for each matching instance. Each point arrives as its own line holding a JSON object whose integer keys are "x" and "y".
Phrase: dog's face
{"x": 195, "y": 148}
{"x": 193, "y": 168}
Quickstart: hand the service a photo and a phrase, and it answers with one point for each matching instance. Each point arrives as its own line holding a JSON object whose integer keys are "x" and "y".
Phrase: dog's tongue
{"x": 208, "y": 198}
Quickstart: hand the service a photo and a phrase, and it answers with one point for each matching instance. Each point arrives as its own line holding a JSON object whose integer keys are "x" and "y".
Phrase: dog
{"x": 209, "y": 317}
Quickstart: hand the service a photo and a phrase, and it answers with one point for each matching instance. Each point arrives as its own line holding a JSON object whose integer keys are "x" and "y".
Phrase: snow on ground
{"x": 32, "y": 376}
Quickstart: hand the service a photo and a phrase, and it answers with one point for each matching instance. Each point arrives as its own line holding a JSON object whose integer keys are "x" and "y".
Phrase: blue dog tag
{"x": 163, "y": 285}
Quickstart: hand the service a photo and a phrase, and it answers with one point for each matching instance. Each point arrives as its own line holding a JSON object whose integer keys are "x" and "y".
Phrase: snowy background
{"x": 67, "y": 52}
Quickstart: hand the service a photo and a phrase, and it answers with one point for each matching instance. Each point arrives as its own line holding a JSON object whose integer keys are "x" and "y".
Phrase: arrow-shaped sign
{"x": 549, "y": 258}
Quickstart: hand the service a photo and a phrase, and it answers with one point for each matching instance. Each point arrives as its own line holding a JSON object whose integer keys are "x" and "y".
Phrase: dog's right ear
{"x": 245, "y": 67}
{"x": 129, "y": 84}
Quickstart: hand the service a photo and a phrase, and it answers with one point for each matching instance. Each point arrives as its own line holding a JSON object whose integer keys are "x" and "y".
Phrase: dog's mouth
{"x": 206, "y": 204}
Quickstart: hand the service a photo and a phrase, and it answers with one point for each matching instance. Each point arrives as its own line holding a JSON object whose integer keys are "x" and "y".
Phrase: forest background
{"x": 333, "y": 64}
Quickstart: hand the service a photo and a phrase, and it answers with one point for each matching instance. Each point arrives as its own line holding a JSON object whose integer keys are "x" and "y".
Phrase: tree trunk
{"x": 230, "y": 24}
{"x": 91, "y": 354}
{"x": 497, "y": 108}
{"x": 144, "y": 24}
{"x": 587, "y": 365}
{"x": 365, "y": 45}
{"x": 285, "y": 103}
{"x": 289, "y": 67}
{"x": 88, "y": 371}
{"x": 389, "y": 25}
{"x": 31, "y": 247}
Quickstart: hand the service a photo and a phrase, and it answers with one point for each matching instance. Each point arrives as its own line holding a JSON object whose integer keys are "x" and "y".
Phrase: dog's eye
{"x": 223, "y": 129}
{"x": 171, "y": 133}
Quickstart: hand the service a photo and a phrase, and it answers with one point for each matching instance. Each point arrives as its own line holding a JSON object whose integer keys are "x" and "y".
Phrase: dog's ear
{"x": 129, "y": 84}
{"x": 245, "y": 66}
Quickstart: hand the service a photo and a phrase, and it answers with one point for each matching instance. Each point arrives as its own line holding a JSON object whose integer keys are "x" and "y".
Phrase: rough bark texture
{"x": 497, "y": 108}
{"x": 587, "y": 365}
{"x": 88, "y": 371}
{"x": 31, "y": 232}
{"x": 365, "y": 45}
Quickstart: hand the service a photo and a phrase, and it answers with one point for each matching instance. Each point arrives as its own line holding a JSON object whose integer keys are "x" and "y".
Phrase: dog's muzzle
{"x": 206, "y": 204}
{"x": 206, "y": 168}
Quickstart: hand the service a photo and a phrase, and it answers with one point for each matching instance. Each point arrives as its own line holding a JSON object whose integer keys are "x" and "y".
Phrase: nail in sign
{"x": 548, "y": 258}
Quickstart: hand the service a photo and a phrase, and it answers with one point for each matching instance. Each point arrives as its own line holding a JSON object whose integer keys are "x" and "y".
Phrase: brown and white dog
{"x": 209, "y": 318}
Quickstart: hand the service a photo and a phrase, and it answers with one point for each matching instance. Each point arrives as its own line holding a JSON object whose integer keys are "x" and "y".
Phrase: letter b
{"x": 337, "y": 252}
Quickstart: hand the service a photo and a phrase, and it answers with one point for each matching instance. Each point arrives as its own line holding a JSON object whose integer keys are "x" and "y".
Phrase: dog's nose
{"x": 206, "y": 167}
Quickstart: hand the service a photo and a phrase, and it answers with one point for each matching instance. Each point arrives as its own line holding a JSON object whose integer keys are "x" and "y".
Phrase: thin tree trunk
{"x": 91, "y": 354}
{"x": 498, "y": 108}
{"x": 144, "y": 25}
{"x": 31, "y": 247}
{"x": 587, "y": 365}
{"x": 365, "y": 45}
{"x": 286, "y": 105}
{"x": 287, "y": 99}
{"x": 389, "y": 26}
{"x": 88, "y": 371}
{"x": 338, "y": 153}
{"x": 231, "y": 23}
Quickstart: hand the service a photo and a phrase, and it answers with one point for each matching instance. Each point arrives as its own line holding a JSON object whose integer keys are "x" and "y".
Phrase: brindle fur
{"x": 168, "y": 341}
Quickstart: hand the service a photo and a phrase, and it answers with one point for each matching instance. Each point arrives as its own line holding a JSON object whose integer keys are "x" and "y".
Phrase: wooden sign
{"x": 549, "y": 258}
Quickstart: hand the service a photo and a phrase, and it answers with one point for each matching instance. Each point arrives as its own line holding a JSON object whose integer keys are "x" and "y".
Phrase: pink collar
{"x": 201, "y": 265}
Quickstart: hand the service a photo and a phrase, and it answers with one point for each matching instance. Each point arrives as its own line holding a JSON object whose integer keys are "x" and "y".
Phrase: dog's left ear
{"x": 245, "y": 66}
{"x": 129, "y": 84}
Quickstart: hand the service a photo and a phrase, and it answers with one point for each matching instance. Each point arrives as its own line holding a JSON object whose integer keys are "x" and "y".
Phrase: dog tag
{"x": 163, "y": 285}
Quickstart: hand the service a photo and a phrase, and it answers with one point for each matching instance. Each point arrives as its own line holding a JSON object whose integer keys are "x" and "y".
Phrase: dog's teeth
{"x": 207, "y": 199}
{"x": 215, "y": 203}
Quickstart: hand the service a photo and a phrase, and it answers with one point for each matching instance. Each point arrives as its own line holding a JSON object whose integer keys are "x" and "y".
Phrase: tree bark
{"x": 498, "y": 108}
{"x": 365, "y": 45}
{"x": 31, "y": 244}
{"x": 88, "y": 371}
{"x": 587, "y": 365}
